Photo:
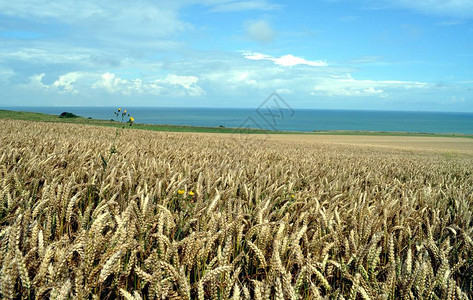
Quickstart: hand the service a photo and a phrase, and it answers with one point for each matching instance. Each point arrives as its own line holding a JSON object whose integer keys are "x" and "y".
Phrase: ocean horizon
{"x": 281, "y": 119}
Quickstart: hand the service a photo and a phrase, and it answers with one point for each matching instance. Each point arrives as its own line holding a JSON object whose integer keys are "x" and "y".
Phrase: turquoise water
{"x": 283, "y": 118}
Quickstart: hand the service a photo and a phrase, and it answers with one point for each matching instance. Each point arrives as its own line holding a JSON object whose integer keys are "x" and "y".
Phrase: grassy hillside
{"x": 30, "y": 116}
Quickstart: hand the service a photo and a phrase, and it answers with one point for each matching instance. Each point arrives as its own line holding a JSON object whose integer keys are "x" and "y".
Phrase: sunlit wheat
{"x": 179, "y": 216}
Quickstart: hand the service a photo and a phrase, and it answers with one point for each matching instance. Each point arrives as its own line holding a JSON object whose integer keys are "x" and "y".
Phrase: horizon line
{"x": 217, "y": 107}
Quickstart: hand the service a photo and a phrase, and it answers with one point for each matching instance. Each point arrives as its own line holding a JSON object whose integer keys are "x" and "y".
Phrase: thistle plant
{"x": 120, "y": 116}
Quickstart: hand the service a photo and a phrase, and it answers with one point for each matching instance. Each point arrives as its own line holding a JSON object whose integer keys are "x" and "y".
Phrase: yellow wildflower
{"x": 124, "y": 111}
{"x": 292, "y": 196}
{"x": 132, "y": 119}
{"x": 119, "y": 109}
{"x": 180, "y": 192}
{"x": 191, "y": 193}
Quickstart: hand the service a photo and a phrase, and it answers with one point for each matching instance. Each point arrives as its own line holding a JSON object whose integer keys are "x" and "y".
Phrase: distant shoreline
{"x": 42, "y": 117}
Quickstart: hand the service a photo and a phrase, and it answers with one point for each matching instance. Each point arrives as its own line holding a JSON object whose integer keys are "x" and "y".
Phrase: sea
{"x": 281, "y": 118}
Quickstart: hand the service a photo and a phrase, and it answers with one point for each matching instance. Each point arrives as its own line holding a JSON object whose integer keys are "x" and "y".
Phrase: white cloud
{"x": 284, "y": 91}
{"x": 75, "y": 83}
{"x": 36, "y": 82}
{"x": 111, "y": 83}
{"x": 372, "y": 91}
{"x": 288, "y": 60}
{"x": 189, "y": 83}
{"x": 260, "y": 31}
{"x": 237, "y": 80}
{"x": 65, "y": 82}
{"x": 257, "y": 56}
{"x": 348, "y": 86}
{"x": 158, "y": 18}
{"x": 185, "y": 81}
{"x": 171, "y": 85}
{"x": 44, "y": 54}
{"x": 226, "y": 80}
{"x": 291, "y": 60}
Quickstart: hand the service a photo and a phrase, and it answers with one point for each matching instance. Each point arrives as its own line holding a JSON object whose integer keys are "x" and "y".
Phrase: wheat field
{"x": 187, "y": 216}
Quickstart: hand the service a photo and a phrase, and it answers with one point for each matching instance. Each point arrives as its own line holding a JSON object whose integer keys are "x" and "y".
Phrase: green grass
{"x": 40, "y": 117}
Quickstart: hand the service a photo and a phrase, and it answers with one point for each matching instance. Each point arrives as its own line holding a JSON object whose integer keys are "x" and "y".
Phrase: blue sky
{"x": 358, "y": 54}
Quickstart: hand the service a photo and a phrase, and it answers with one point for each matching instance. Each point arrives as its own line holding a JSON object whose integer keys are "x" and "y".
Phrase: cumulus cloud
{"x": 65, "y": 82}
{"x": 288, "y": 60}
{"x": 184, "y": 81}
{"x": 112, "y": 84}
{"x": 348, "y": 86}
{"x": 242, "y": 77}
{"x": 36, "y": 82}
{"x": 75, "y": 83}
{"x": 189, "y": 83}
{"x": 238, "y": 81}
{"x": 260, "y": 31}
